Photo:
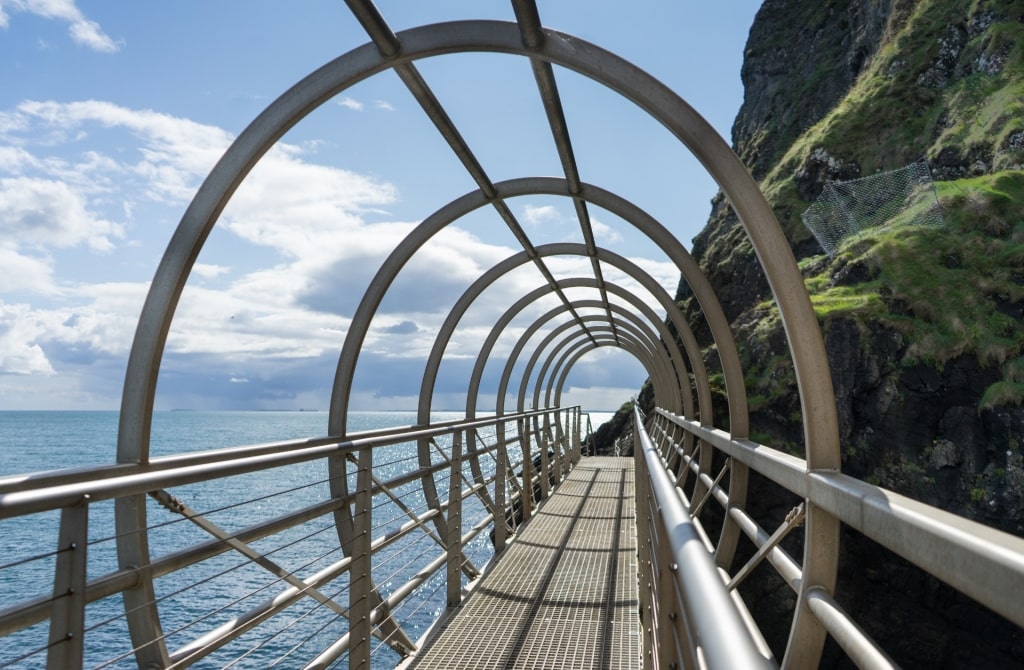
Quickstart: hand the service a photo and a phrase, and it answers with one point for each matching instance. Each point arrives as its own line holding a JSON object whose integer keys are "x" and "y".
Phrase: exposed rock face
{"x": 911, "y": 424}
{"x": 809, "y": 52}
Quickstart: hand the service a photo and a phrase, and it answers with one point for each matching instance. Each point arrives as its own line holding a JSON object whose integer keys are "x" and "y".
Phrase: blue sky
{"x": 111, "y": 114}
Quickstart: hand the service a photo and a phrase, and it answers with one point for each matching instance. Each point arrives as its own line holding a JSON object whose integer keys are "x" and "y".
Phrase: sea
{"x": 37, "y": 441}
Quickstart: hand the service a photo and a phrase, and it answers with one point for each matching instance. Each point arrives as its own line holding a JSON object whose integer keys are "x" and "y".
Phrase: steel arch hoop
{"x": 463, "y": 303}
{"x": 638, "y": 275}
{"x": 562, "y": 367}
{"x": 580, "y": 349}
{"x": 491, "y": 275}
{"x": 556, "y": 350}
{"x": 587, "y": 282}
{"x": 768, "y": 242}
{"x": 665, "y": 385}
{"x": 459, "y": 207}
{"x": 502, "y": 322}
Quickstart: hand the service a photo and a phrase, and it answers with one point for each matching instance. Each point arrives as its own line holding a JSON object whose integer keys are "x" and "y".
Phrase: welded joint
{"x": 528, "y": 19}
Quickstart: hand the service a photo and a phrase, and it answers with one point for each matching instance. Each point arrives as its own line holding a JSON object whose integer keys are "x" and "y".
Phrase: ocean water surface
{"x": 38, "y": 441}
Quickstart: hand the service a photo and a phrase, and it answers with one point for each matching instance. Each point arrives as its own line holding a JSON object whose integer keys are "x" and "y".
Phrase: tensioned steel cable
{"x": 385, "y": 637}
{"x": 302, "y": 642}
{"x": 387, "y": 43}
{"x": 270, "y": 637}
{"x": 529, "y": 22}
{"x": 208, "y": 512}
{"x": 209, "y": 578}
{"x": 330, "y": 600}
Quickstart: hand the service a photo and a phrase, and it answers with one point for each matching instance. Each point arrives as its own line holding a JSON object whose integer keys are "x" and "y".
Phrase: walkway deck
{"x": 564, "y": 594}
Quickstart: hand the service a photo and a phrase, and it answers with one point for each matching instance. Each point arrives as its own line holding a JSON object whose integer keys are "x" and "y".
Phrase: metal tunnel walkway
{"x": 564, "y": 594}
{"x": 370, "y": 535}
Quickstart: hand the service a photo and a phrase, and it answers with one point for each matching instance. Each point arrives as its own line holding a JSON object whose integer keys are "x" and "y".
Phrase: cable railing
{"x": 281, "y": 569}
{"x": 694, "y": 616}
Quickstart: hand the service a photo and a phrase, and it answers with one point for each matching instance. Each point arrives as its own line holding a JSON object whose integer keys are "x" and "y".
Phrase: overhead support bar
{"x": 388, "y": 44}
{"x": 530, "y": 26}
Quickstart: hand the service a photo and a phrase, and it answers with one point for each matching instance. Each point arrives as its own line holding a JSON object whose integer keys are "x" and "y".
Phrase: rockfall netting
{"x": 846, "y": 208}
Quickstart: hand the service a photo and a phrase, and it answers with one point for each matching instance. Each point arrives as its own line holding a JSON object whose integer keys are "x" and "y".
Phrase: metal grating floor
{"x": 564, "y": 594}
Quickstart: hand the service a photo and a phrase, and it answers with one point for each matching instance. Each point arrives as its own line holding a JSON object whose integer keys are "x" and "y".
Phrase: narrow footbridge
{"x": 496, "y": 539}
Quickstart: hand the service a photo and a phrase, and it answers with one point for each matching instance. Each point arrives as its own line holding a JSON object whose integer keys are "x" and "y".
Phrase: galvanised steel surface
{"x": 564, "y": 594}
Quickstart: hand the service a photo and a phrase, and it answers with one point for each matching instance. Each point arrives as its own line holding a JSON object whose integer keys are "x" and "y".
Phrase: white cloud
{"x": 536, "y": 216}
{"x": 604, "y": 233}
{"x": 43, "y": 212}
{"x": 311, "y": 220}
{"x": 20, "y": 353}
{"x": 14, "y": 160}
{"x": 89, "y": 34}
{"x": 25, "y": 273}
{"x": 83, "y": 31}
{"x": 351, "y": 103}
{"x": 210, "y": 271}
{"x": 384, "y": 105}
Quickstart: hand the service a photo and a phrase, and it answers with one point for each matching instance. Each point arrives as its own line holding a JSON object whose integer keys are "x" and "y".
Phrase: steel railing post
{"x": 500, "y": 483}
{"x": 523, "y": 427}
{"x": 545, "y": 462}
{"x": 454, "y": 540}
{"x": 360, "y": 584}
{"x": 67, "y": 617}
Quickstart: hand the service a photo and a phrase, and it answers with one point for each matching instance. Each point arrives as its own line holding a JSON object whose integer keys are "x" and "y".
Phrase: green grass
{"x": 888, "y": 120}
{"x": 1003, "y": 394}
{"x": 943, "y": 287}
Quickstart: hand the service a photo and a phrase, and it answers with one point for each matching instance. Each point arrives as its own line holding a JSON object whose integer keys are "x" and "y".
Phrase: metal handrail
{"x": 74, "y": 491}
{"x": 715, "y": 629}
{"x": 977, "y": 560}
{"x": 192, "y": 468}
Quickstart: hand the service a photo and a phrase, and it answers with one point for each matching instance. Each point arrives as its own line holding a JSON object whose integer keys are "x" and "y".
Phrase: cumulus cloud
{"x": 83, "y": 31}
{"x": 20, "y": 352}
{"x": 319, "y": 231}
{"x": 45, "y": 212}
{"x": 22, "y": 272}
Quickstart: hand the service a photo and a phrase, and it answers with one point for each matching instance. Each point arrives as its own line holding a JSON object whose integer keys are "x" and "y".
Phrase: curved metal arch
{"x": 502, "y": 267}
{"x": 769, "y": 243}
{"x": 554, "y": 348}
{"x": 560, "y": 368}
{"x": 583, "y": 351}
{"x": 584, "y": 282}
{"x": 717, "y": 322}
{"x": 582, "y": 348}
{"x": 703, "y": 292}
{"x": 469, "y": 296}
{"x": 557, "y": 340}
{"x": 647, "y": 282}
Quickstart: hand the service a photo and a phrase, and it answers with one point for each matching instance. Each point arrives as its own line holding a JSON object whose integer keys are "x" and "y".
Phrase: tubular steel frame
{"x": 693, "y": 615}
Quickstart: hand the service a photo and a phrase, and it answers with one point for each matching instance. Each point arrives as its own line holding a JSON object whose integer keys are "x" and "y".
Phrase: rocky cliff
{"x": 923, "y": 326}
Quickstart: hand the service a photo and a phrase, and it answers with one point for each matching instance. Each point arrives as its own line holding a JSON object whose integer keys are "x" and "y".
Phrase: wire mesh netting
{"x": 846, "y": 208}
